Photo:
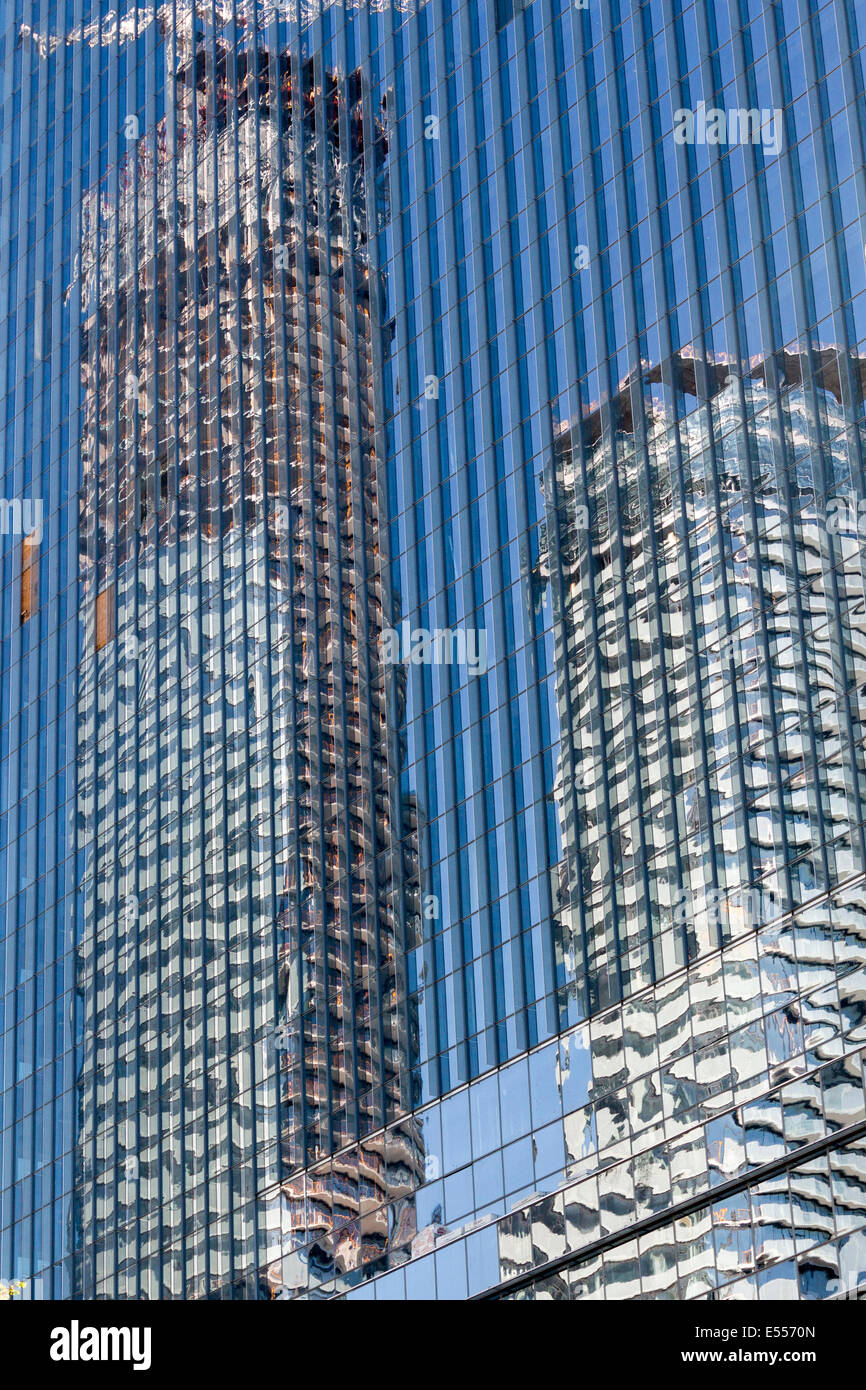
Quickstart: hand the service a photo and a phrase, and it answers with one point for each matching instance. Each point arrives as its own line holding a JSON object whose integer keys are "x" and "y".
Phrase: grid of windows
{"x": 431, "y": 693}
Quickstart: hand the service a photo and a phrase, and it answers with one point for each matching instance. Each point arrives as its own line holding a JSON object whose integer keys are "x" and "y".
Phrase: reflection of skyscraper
{"x": 242, "y": 969}
{"x": 708, "y": 808}
{"x": 692, "y": 574}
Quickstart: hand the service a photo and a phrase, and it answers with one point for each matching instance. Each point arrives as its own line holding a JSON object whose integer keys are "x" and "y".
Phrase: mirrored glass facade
{"x": 433, "y": 649}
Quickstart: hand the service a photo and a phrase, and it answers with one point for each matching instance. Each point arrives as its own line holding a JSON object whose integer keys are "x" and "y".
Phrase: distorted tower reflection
{"x": 250, "y": 882}
{"x": 702, "y": 659}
